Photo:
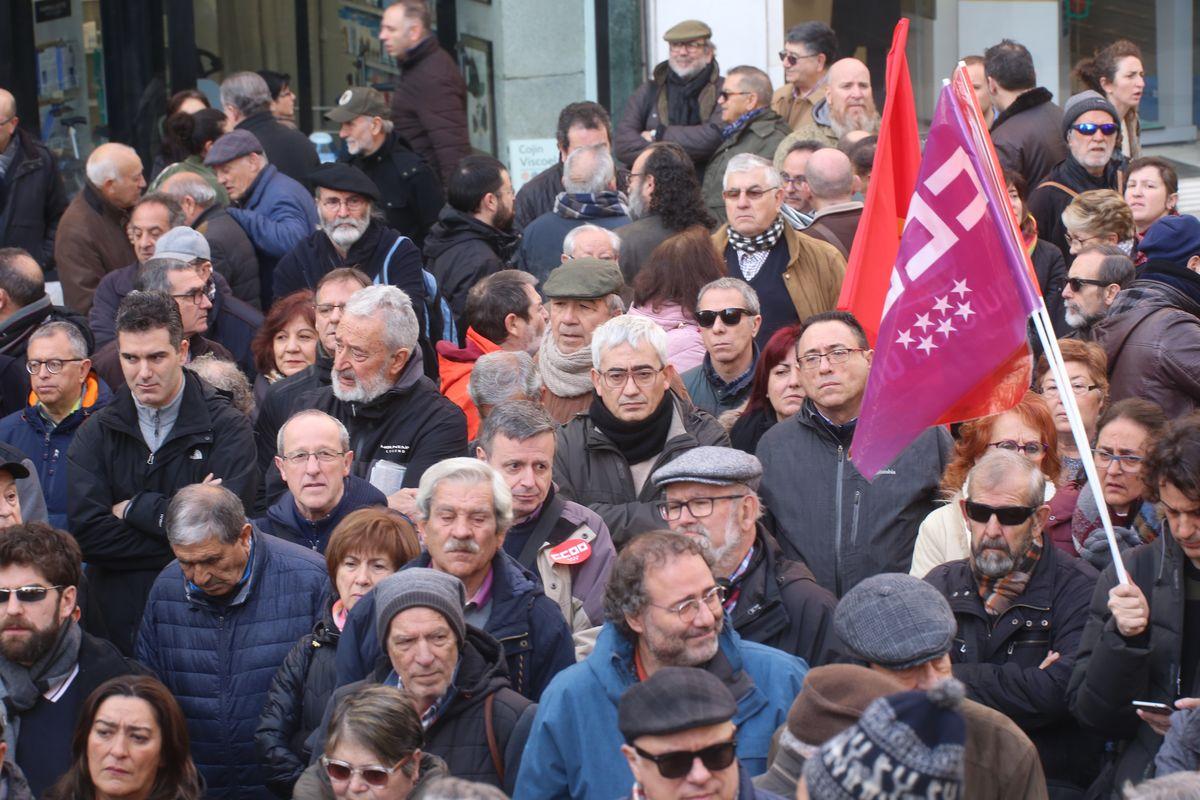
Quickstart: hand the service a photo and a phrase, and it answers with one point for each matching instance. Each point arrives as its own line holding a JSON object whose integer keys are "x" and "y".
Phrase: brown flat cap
{"x": 687, "y": 30}
{"x": 833, "y": 698}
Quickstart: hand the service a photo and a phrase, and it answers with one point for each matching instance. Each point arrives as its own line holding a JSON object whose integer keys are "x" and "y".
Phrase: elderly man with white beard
{"x": 848, "y": 105}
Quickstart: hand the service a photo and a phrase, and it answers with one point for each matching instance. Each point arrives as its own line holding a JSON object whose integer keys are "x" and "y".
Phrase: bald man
{"x": 91, "y": 240}
{"x": 32, "y": 198}
{"x": 830, "y": 178}
{"x": 848, "y": 104}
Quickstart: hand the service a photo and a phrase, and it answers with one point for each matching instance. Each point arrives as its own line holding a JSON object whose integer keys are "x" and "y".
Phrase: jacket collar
{"x": 1035, "y": 97}
{"x": 91, "y": 195}
{"x": 193, "y": 417}
{"x": 259, "y": 556}
{"x": 259, "y": 187}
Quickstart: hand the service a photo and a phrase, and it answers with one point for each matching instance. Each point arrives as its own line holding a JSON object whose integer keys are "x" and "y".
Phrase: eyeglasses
{"x": 1079, "y": 389}
{"x": 791, "y": 179}
{"x": 694, "y": 46}
{"x": 53, "y": 365}
{"x": 322, "y": 456}
{"x": 839, "y": 355}
{"x": 325, "y": 309}
{"x": 198, "y": 296}
{"x": 791, "y": 59}
{"x": 753, "y": 194}
{"x": 1090, "y": 128}
{"x": 730, "y": 316}
{"x": 374, "y": 775}
{"x": 675, "y": 765}
{"x": 1030, "y": 449}
{"x": 697, "y": 506}
{"x": 353, "y": 203}
{"x": 1077, "y": 284}
{"x": 725, "y": 94}
{"x": 26, "y": 594}
{"x": 1005, "y": 515}
{"x": 1127, "y": 464}
{"x": 688, "y": 609}
{"x": 642, "y": 376}
{"x": 1077, "y": 241}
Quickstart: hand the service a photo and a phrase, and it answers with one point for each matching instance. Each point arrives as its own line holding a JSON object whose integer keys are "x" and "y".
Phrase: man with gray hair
{"x": 1095, "y": 278}
{"x": 590, "y": 197}
{"x": 829, "y": 176}
{"x": 219, "y": 621}
{"x": 749, "y": 126}
{"x": 246, "y": 100}
{"x": 795, "y": 276}
{"x": 634, "y": 425}
{"x": 591, "y": 241}
{"x": 503, "y": 377}
{"x": 727, "y": 311}
{"x": 91, "y": 239}
{"x": 1021, "y": 608}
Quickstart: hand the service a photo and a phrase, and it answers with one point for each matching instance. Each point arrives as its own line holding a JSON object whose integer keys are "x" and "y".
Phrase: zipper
{"x": 837, "y": 520}
{"x": 854, "y": 517}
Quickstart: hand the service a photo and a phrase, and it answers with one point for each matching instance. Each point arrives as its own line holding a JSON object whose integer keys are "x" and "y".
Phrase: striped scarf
{"x": 999, "y": 593}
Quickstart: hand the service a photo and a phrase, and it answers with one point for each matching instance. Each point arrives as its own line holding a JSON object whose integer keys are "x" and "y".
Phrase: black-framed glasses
{"x": 754, "y": 193}
{"x": 1031, "y": 449}
{"x": 725, "y": 94}
{"x": 697, "y": 506}
{"x": 26, "y": 594}
{"x": 792, "y": 59}
{"x": 374, "y": 775}
{"x": 677, "y": 764}
{"x": 325, "y": 309}
{"x": 1090, "y": 128}
{"x": 52, "y": 365}
{"x": 642, "y": 376}
{"x": 687, "y": 610}
{"x": 1077, "y": 284}
{"x": 838, "y": 355}
{"x": 1005, "y": 515}
{"x": 694, "y": 46}
{"x": 323, "y": 457}
{"x": 206, "y": 292}
{"x": 1079, "y": 389}
{"x": 1126, "y": 463}
{"x": 730, "y": 316}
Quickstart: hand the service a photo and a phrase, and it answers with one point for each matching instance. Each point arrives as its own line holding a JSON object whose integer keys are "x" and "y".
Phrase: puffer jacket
{"x": 276, "y": 213}
{"x": 455, "y": 365}
{"x": 284, "y": 520}
{"x": 760, "y": 136}
{"x": 218, "y": 657}
{"x": 1152, "y": 338}
{"x": 1111, "y": 671}
{"x": 1028, "y": 135}
{"x": 295, "y": 704}
{"x": 528, "y": 624}
{"x": 32, "y": 200}
{"x": 646, "y": 110}
{"x": 578, "y": 714}
{"x": 685, "y": 345}
{"x": 460, "y": 251}
{"x": 90, "y": 242}
{"x": 590, "y": 470}
{"x": 410, "y": 191}
{"x": 998, "y": 658}
{"x": 429, "y": 107}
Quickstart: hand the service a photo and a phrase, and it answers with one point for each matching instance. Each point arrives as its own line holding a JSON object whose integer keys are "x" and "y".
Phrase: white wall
{"x": 1033, "y": 23}
{"x": 746, "y": 32}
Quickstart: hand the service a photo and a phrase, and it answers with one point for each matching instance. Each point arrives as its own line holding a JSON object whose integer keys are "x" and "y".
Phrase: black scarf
{"x": 639, "y": 440}
{"x": 683, "y": 103}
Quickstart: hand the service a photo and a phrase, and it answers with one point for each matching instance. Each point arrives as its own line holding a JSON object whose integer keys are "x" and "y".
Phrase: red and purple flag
{"x": 952, "y": 341}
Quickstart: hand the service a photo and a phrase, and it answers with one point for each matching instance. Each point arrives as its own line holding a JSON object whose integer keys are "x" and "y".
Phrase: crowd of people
{"x": 379, "y": 479}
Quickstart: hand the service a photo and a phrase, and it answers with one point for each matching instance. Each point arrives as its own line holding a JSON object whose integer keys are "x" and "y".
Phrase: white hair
{"x": 588, "y": 170}
{"x": 394, "y": 308}
{"x": 749, "y": 296}
{"x": 79, "y": 347}
{"x": 470, "y": 471}
{"x": 631, "y": 330}
{"x": 102, "y": 164}
{"x": 200, "y": 512}
{"x": 190, "y": 184}
{"x": 501, "y": 376}
{"x": 247, "y": 92}
{"x": 573, "y": 234}
{"x": 343, "y": 434}
{"x": 748, "y": 162}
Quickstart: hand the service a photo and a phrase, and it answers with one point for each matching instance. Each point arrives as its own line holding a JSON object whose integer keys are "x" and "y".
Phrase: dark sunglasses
{"x": 26, "y": 594}
{"x": 730, "y": 316}
{"x": 1077, "y": 284}
{"x": 673, "y": 766}
{"x": 1090, "y": 128}
{"x": 1005, "y": 515}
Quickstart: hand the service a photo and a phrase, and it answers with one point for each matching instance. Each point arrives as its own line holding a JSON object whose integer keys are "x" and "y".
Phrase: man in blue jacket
{"x": 664, "y": 609}
{"x": 220, "y": 620}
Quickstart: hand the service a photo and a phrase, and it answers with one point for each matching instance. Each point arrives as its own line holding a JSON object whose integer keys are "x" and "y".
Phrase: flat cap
{"x": 674, "y": 699}
{"x": 583, "y": 279}
{"x": 1079, "y": 104}
{"x": 717, "y": 466}
{"x": 344, "y": 178}
{"x": 895, "y": 620}
{"x": 235, "y": 144}
{"x": 359, "y": 101}
{"x": 1173, "y": 238}
{"x": 687, "y": 30}
{"x": 833, "y": 698}
{"x": 183, "y": 243}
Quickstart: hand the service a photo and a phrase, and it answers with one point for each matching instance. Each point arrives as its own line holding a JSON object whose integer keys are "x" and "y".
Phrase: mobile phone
{"x": 1152, "y": 707}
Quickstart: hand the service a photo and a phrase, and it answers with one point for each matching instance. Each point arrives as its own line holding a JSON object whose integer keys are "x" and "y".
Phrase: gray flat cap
{"x": 717, "y": 466}
{"x": 674, "y": 699}
{"x": 183, "y": 243}
{"x": 895, "y": 620}
{"x": 235, "y": 144}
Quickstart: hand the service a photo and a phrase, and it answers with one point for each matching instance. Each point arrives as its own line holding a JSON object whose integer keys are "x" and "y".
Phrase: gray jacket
{"x": 829, "y": 516}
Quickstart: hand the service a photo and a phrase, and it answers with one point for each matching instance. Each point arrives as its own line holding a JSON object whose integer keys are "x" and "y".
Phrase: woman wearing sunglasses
{"x": 1027, "y": 429}
{"x": 131, "y": 742}
{"x": 1116, "y": 72}
{"x": 775, "y": 391}
{"x": 373, "y": 751}
{"x": 1100, "y": 216}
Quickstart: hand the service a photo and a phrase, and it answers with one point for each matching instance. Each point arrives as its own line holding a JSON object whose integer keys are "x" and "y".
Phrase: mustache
{"x": 461, "y": 546}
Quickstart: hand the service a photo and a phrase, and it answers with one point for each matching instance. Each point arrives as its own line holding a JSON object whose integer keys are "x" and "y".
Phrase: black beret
{"x": 674, "y": 699}
{"x": 344, "y": 178}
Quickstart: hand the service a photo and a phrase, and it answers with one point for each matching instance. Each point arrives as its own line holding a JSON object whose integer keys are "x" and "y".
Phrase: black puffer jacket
{"x": 410, "y": 190}
{"x": 32, "y": 199}
{"x": 295, "y": 704}
{"x": 460, "y": 251}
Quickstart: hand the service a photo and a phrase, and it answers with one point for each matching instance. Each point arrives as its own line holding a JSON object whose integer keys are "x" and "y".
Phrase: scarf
{"x": 762, "y": 243}
{"x": 640, "y": 440}
{"x": 590, "y": 206}
{"x": 999, "y": 593}
{"x": 564, "y": 375}
{"x": 1142, "y": 520}
{"x": 683, "y": 97}
{"x": 740, "y": 122}
{"x": 21, "y": 687}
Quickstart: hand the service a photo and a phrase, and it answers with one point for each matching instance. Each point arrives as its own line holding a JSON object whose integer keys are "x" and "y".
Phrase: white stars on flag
{"x": 905, "y": 339}
{"x": 960, "y": 289}
{"x": 927, "y": 344}
{"x": 939, "y": 319}
{"x": 923, "y": 323}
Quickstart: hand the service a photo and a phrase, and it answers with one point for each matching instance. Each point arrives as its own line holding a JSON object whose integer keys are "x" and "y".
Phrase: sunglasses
{"x": 730, "y": 316}
{"x": 1005, "y": 515}
{"x": 792, "y": 59}
{"x": 673, "y": 766}
{"x": 373, "y": 776}
{"x": 1090, "y": 128}
{"x": 1077, "y": 284}
{"x": 26, "y": 594}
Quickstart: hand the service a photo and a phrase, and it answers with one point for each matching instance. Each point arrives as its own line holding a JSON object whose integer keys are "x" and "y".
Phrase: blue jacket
{"x": 284, "y": 520}
{"x": 277, "y": 213}
{"x": 578, "y": 715}
{"x": 218, "y": 659}
{"x": 529, "y": 626}
{"x": 28, "y": 432}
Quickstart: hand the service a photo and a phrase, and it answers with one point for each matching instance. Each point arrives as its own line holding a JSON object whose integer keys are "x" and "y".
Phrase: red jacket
{"x": 454, "y": 367}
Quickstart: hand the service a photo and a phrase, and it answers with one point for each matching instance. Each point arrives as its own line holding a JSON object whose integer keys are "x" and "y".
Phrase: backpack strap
{"x": 490, "y": 730}
{"x": 1057, "y": 185}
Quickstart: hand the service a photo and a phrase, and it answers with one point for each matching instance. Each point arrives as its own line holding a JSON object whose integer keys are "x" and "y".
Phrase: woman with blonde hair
{"x": 1099, "y": 216}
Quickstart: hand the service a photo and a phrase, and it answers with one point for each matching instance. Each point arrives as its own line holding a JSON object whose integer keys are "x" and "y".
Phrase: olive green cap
{"x": 583, "y": 279}
{"x": 688, "y": 30}
{"x": 359, "y": 101}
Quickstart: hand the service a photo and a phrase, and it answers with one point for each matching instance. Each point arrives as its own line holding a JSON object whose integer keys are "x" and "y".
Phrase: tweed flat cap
{"x": 674, "y": 699}
{"x": 716, "y": 466}
{"x": 235, "y": 144}
{"x": 183, "y": 243}
{"x": 895, "y": 620}
{"x": 420, "y": 587}
{"x": 1080, "y": 104}
{"x": 344, "y": 178}
{"x": 583, "y": 279}
{"x": 359, "y": 101}
{"x": 687, "y": 30}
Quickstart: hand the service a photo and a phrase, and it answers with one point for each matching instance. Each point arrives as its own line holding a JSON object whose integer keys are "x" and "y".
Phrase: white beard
{"x": 365, "y": 389}
{"x": 345, "y": 231}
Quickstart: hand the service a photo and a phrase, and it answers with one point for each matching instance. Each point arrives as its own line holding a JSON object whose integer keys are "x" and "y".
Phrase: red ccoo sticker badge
{"x": 572, "y": 551}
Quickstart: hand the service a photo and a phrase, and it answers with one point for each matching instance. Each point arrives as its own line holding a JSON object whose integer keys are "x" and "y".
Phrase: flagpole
{"x": 1066, "y": 396}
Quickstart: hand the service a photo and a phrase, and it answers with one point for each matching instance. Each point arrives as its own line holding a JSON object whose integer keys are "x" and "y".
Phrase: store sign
{"x": 528, "y": 157}
{"x": 47, "y": 10}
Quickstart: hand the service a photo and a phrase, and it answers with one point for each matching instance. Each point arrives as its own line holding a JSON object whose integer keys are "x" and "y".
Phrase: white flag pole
{"x": 1054, "y": 357}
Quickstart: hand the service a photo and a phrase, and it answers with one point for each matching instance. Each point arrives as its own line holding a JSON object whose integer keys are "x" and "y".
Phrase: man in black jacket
{"x": 32, "y": 197}
{"x": 164, "y": 430}
{"x": 1025, "y": 130}
{"x": 410, "y": 190}
{"x": 246, "y": 100}
{"x": 48, "y": 664}
{"x": 711, "y": 495}
{"x": 1020, "y": 607}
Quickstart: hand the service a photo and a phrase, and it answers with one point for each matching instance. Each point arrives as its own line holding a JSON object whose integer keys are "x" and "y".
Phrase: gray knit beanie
{"x": 426, "y": 588}
{"x": 1079, "y": 104}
